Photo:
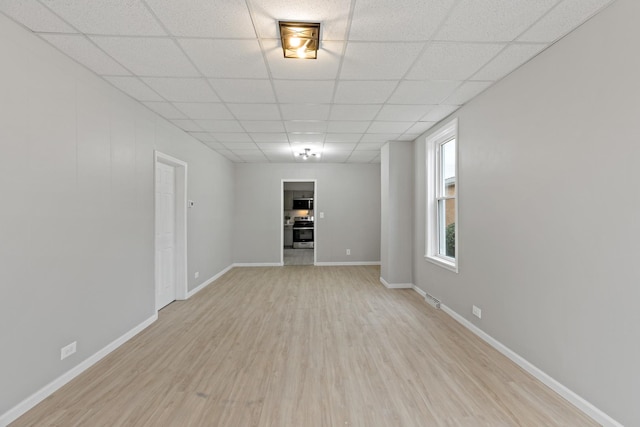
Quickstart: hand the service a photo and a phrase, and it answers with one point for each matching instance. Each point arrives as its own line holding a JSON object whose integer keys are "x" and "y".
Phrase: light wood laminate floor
{"x": 304, "y": 346}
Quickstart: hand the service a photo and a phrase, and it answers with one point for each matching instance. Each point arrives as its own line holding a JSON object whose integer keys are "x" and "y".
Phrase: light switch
{"x": 321, "y": 214}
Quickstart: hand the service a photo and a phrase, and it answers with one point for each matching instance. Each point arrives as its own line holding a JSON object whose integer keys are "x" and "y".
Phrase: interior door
{"x": 165, "y": 234}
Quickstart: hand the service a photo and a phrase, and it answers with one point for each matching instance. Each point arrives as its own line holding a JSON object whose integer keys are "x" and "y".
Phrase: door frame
{"x": 315, "y": 222}
{"x": 181, "y": 222}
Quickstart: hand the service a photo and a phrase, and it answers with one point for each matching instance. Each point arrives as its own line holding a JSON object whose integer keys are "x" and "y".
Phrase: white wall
{"x": 396, "y": 240}
{"x": 348, "y": 194}
{"x": 77, "y": 216}
{"x": 549, "y": 207}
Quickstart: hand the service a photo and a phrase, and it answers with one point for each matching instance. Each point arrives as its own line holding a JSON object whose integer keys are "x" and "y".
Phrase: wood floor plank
{"x": 304, "y": 346}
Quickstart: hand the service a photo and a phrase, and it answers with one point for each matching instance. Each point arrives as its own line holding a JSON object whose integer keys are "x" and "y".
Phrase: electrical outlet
{"x": 348, "y": 251}
{"x": 68, "y": 350}
{"x": 477, "y": 312}
{"x": 196, "y": 274}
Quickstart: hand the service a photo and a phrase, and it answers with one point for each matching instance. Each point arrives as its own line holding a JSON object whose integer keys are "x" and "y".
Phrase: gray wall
{"x": 549, "y": 208}
{"x": 396, "y": 240}
{"x": 77, "y": 216}
{"x": 348, "y": 194}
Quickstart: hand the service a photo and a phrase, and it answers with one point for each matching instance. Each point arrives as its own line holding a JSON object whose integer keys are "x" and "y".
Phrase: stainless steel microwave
{"x": 305, "y": 204}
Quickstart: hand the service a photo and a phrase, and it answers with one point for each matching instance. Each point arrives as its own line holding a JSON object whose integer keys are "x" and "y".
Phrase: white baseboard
{"x": 573, "y": 398}
{"x": 37, "y": 397}
{"x": 257, "y": 264}
{"x": 396, "y": 285}
{"x": 422, "y": 293}
{"x": 329, "y": 264}
{"x": 204, "y": 284}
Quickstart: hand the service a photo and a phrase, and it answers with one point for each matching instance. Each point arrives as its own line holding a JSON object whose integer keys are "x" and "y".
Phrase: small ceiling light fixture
{"x": 307, "y": 153}
{"x": 300, "y": 39}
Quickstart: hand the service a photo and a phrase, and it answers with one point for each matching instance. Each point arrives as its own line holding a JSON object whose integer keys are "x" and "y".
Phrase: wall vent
{"x": 432, "y": 301}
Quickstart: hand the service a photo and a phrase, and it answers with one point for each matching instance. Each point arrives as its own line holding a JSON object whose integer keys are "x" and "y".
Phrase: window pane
{"x": 447, "y": 227}
{"x": 448, "y": 167}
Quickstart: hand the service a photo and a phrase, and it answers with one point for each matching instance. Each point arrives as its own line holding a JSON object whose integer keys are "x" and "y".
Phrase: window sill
{"x": 452, "y": 266}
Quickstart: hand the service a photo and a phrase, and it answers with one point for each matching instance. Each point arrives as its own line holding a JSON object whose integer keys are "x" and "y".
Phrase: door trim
{"x": 181, "y": 222}
{"x": 315, "y": 222}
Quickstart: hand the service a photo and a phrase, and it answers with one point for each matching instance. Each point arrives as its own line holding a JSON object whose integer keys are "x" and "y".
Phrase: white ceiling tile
{"x": 305, "y": 126}
{"x": 332, "y": 14}
{"x": 274, "y": 146}
{"x": 362, "y": 156}
{"x": 323, "y": 68}
{"x": 182, "y": 90}
{"x": 354, "y": 112}
{"x": 82, "y": 50}
{"x": 335, "y": 156}
{"x": 116, "y": 17}
{"x": 228, "y": 137}
{"x": 492, "y": 20}
{"x": 403, "y": 113}
{"x": 229, "y": 155}
{"x": 250, "y": 156}
{"x": 369, "y": 146}
{"x": 467, "y": 91}
{"x": 206, "y": 137}
{"x": 339, "y": 146}
{"x": 134, "y": 88}
{"x": 378, "y": 60}
{"x": 255, "y": 111}
{"x": 244, "y": 90}
{"x": 397, "y": 19}
{"x": 220, "y": 125}
{"x": 34, "y": 16}
{"x": 166, "y": 110}
{"x": 389, "y": 127}
{"x": 148, "y": 56}
{"x": 340, "y": 138}
{"x": 226, "y": 58}
{"x": 311, "y": 91}
{"x": 423, "y": 91}
{"x": 364, "y": 92}
{"x": 439, "y": 112}
{"x": 419, "y": 128}
{"x": 263, "y": 125}
{"x": 187, "y": 125}
{"x": 408, "y": 137}
{"x": 204, "y": 18}
{"x": 562, "y": 19}
{"x": 269, "y": 137}
{"x": 380, "y": 137}
{"x": 452, "y": 61}
{"x": 305, "y": 111}
{"x": 236, "y": 145}
{"x": 215, "y": 145}
{"x": 508, "y": 60}
{"x": 204, "y": 110}
{"x": 312, "y": 138}
{"x": 278, "y": 156}
{"x": 359, "y": 126}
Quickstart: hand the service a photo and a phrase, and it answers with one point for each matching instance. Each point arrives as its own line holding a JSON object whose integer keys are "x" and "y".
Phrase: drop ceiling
{"x": 386, "y": 69}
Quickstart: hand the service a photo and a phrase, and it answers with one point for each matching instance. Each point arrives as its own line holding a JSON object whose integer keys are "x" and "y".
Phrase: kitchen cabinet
{"x": 288, "y": 236}
{"x": 303, "y": 194}
{"x": 288, "y": 200}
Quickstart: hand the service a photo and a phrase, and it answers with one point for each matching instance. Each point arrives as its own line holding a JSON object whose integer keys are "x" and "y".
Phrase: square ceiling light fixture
{"x": 300, "y": 39}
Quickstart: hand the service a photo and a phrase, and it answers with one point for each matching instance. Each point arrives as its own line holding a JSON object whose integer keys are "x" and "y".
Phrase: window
{"x": 442, "y": 189}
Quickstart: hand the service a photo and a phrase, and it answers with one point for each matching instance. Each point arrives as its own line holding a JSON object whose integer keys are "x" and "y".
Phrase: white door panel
{"x": 165, "y": 234}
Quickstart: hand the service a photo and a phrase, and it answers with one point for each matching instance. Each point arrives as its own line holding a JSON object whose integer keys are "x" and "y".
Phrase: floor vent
{"x": 432, "y": 301}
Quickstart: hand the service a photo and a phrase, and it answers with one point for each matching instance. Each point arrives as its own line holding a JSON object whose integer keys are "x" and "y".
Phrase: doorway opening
{"x": 170, "y": 229}
{"x": 299, "y": 239}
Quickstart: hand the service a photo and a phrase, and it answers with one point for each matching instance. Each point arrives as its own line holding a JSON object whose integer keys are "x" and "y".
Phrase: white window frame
{"x": 434, "y": 143}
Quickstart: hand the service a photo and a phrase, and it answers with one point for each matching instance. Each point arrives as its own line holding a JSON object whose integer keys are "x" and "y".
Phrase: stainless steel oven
{"x": 303, "y": 230}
